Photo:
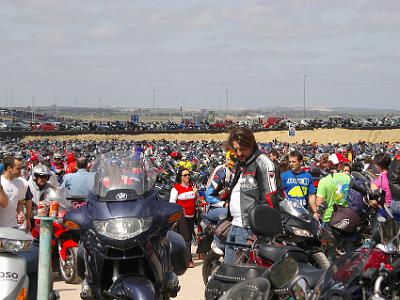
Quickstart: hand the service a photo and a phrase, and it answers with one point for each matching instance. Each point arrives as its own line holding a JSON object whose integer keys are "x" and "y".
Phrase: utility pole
{"x": 101, "y": 113}
{"x": 7, "y": 98}
{"x": 75, "y": 103}
{"x": 220, "y": 104}
{"x": 154, "y": 103}
{"x": 33, "y": 108}
{"x": 56, "y": 106}
{"x": 304, "y": 98}
{"x": 227, "y": 103}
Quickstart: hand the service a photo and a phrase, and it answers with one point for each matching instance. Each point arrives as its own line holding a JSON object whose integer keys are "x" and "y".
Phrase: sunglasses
{"x": 185, "y": 175}
{"x": 43, "y": 176}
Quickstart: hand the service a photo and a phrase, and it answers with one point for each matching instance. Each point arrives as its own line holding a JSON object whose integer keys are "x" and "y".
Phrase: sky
{"x": 200, "y": 54}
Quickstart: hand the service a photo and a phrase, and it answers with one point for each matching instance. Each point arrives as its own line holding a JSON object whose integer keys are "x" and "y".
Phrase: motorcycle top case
{"x": 178, "y": 255}
{"x": 228, "y": 275}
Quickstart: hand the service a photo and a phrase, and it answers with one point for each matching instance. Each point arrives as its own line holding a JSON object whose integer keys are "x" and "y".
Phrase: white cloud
{"x": 188, "y": 48}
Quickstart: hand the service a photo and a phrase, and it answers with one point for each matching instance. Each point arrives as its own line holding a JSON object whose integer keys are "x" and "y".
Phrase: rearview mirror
{"x": 283, "y": 272}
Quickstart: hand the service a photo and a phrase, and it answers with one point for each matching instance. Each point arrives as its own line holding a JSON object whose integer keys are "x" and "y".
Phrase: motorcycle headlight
{"x": 14, "y": 245}
{"x": 122, "y": 228}
{"x": 301, "y": 232}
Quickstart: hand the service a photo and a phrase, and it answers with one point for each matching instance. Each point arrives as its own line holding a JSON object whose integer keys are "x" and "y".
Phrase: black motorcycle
{"x": 299, "y": 230}
{"x": 303, "y": 231}
{"x": 266, "y": 223}
{"x": 128, "y": 247}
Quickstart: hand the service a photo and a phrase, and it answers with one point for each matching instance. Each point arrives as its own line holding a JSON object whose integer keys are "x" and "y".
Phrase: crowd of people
{"x": 232, "y": 177}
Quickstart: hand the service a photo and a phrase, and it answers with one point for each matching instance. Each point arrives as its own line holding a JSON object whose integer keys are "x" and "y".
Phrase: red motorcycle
{"x": 64, "y": 244}
{"x": 370, "y": 271}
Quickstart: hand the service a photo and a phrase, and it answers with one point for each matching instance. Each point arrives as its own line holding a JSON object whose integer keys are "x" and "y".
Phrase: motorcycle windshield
{"x": 295, "y": 208}
{"x": 122, "y": 175}
{"x": 342, "y": 274}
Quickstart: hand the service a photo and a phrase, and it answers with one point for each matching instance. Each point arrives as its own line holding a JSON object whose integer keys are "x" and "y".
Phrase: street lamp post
{"x": 304, "y": 96}
{"x": 227, "y": 103}
{"x": 154, "y": 103}
{"x": 33, "y": 108}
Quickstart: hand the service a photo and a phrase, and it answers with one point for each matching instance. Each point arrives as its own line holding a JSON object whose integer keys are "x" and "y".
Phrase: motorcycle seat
{"x": 310, "y": 274}
{"x": 274, "y": 253}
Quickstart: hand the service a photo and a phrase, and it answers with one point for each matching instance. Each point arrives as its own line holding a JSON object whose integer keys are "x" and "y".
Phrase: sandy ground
{"x": 192, "y": 286}
{"x": 321, "y": 136}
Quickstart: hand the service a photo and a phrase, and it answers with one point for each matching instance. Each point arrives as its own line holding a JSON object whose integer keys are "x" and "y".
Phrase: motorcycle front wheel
{"x": 69, "y": 267}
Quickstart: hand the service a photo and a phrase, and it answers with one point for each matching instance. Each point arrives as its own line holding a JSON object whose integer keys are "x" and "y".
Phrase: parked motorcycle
{"x": 266, "y": 224}
{"x": 64, "y": 241}
{"x": 129, "y": 249}
{"x": 371, "y": 271}
{"x": 285, "y": 275}
{"x": 299, "y": 230}
{"x": 303, "y": 231}
{"x": 19, "y": 265}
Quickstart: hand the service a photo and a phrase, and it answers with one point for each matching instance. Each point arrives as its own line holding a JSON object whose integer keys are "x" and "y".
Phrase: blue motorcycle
{"x": 127, "y": 247}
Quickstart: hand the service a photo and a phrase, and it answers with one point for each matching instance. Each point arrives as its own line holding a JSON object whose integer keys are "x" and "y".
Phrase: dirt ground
{"x": 191, "y": 282}
{"x": 322, "y": 136}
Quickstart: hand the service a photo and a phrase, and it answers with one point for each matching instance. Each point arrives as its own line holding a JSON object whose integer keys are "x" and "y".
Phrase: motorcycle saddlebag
{"x": 228, "y": 275}
{"x": 345, "y": 219}
{"x": 178, "y": 256}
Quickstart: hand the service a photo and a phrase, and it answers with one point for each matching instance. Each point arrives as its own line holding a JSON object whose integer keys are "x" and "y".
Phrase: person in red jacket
{"x": 71, "y": 164}
{"x": 185, "y": 193}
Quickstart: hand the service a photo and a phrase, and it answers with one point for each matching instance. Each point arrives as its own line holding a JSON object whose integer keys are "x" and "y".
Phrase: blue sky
{"x": 191, "y": 52}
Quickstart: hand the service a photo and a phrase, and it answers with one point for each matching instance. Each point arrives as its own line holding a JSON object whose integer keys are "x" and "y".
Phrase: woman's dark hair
{"x": 244, "y": 137}
{"x": 345, "y": 164}
{"x": 179, "y": 174}
{"x": 382, "y": 160}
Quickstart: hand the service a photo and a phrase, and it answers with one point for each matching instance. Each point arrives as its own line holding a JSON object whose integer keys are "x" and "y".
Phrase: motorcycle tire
{"x": 73, "y": 277}
{"x": 320, "y": 260}
{"x": 210, "y": 263}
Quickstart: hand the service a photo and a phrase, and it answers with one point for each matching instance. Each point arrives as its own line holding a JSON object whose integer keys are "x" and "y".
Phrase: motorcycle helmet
{"x": 70, "y": 158}
{"x": 230, "y": 158}
{"x": 40, "y": 170}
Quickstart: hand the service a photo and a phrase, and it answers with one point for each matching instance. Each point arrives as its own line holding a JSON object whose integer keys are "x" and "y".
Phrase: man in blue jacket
{"x": 217, "y": 192}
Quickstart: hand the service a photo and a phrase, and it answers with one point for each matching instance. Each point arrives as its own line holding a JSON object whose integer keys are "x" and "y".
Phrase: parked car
{"x": 18, "y": 126}
{"x": 46, "y": 127}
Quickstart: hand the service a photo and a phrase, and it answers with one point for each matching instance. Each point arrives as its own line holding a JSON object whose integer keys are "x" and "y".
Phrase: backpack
{"x": 356, "y": 199}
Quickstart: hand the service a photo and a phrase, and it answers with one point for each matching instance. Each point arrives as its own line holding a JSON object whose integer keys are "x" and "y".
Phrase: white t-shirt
{"x": 234, "y": 204}
{"x": 15, "y": 190}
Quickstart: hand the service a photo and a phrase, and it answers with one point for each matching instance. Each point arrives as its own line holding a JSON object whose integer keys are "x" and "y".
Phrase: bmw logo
{"x": 121, "y": 196}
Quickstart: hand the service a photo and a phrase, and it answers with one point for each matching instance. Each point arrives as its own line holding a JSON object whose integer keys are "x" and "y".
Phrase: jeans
{"x": 237, "y": 235}
{"x": 185, "y": 228}
{"x": 395, "y": 208}
{"x": 215, "y": 214}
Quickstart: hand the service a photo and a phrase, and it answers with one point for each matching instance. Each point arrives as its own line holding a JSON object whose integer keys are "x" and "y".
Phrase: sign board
{"x": 134, "y": 119}
{"x": 292, "y": 130}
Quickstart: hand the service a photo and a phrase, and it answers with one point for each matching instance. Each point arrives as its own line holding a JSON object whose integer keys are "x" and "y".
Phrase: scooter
{"x": 19, "y": 265}
{"x": 129, "y": 248}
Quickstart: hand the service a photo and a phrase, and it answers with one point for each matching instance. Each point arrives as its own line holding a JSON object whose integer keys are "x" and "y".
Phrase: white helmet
{"x": 40, "y": 170}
